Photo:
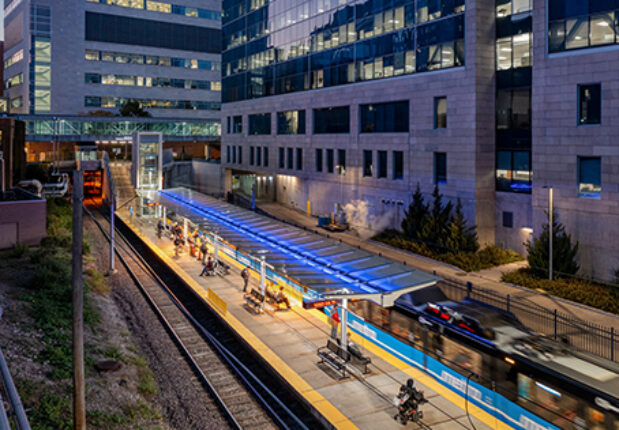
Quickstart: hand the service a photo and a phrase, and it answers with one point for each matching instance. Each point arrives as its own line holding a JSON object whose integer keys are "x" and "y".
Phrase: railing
{"x": 582, "y": 335}
{"x": 15, "y": 414}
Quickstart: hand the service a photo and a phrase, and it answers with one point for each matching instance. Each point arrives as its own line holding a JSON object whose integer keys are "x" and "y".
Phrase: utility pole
{"x": 79, "y": 396}
{"x": 112, "y": 269}
{"x": 550, "y": 233}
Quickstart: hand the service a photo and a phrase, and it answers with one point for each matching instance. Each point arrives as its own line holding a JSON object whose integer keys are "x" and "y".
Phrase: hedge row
{"x": 588, "y": 293}
{"x": 469, "y": 261}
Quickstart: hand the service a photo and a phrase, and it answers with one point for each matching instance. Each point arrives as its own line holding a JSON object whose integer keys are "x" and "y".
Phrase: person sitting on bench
{"x": 280, "y": 297}
{"x": 209, "y": 268}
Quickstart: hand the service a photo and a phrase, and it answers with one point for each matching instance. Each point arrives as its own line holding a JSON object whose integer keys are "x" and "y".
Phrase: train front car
{"x": 486, "y": 354}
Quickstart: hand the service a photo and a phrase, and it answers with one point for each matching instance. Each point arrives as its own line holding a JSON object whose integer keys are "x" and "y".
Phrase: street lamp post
{"x": 551, "y": 233}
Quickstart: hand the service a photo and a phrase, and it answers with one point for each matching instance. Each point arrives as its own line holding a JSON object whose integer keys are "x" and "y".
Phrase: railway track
{"x": 222, "y": 362}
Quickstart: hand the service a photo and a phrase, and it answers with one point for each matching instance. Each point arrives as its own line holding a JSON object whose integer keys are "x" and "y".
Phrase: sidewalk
{"x": 489, "y": 279}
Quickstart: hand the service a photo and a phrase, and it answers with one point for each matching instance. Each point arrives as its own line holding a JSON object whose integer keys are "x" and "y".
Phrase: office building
{"x": 329, "y": 102}
{"x": 82, "y": 57}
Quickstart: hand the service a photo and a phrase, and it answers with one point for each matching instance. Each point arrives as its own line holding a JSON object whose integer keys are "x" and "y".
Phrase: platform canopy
{"x": 327, "y": 267}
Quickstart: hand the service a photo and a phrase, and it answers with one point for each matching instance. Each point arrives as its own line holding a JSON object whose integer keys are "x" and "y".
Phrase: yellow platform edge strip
{"x": 322, "y": 405}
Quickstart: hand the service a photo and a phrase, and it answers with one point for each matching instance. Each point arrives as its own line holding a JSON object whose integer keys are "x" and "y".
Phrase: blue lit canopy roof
{"x": 326, "y": 266}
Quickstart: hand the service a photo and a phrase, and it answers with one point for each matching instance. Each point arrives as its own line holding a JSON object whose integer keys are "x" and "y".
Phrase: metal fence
{"x": 582, "y": 335}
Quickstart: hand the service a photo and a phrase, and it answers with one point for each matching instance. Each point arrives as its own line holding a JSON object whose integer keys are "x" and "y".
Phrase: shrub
{"x": 19, "y": 251}
{"x": 563, "y": 253}
{"x": 494, "y": 256}
{"x": 582, "y": 291}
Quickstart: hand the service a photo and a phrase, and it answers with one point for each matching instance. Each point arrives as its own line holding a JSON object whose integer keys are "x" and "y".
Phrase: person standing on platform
{"x": 335, "y": 321}
{"x": 245, "y": 276}
{"x": 203, "y": 249}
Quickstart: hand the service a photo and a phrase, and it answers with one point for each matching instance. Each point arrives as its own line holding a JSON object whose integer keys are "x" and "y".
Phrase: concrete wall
{"x": 207, "y": 177}
{"x": 558, "y": 141}
{"x": 22, "y": 222}
{"x": 519, "y": 205}
{"x": 177, "y": 174}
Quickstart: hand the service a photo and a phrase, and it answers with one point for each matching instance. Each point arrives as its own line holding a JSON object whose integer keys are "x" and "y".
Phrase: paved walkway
{"x": 489, "y": 279}
{"x": 288, "y": 340}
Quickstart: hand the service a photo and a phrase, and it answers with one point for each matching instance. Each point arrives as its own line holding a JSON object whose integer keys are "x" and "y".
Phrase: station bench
{"x": 359, "y": 360}
{"x": 335, "y": 357}
{"x": 254, "y": 300}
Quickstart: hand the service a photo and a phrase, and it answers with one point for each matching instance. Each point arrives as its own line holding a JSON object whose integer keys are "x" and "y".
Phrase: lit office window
{"x": 13, "y": 81}
{"x": 440, "y": 168}
{"x": 512, "y": 7}
{"x": 319, "y": 160}
{"x": 589, "y": 177}
{"x": 135, "y": 4}
{"x": 513, "y": 52}
{"x": 299, "y": 158}
{"x": 580, "y": 24}
{"x": 42, "y": 50}
{"x": 17, "y": 102}
{"x": 42, "y": 75}
{"x": 382, "y": 164}
{"x": 291, "y": 122}
{"x": 367, "y": 163}
{"x": 157, "y": 6}
{"x": 398, "y": 165}
{"x": 440, "y": 112}
{"x": 589, "y": 104}
{"x": 42, "y": 100}
{"x": 15, "y": 58}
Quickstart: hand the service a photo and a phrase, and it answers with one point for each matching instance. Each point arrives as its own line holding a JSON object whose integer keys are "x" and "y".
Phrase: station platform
{"x": 288, "y": 341}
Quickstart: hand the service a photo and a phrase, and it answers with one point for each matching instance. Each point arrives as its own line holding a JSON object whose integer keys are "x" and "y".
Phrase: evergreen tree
{"x": 436, "y": 229}
{"x": 564, "y": 259}
{"x": 415, "y": 217}
{"x": 461, "y": 237}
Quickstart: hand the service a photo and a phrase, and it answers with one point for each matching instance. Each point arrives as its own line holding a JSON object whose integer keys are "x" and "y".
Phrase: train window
{"x": 400, "y": 325}
{"x": 361, "y": 308}
{"x": 595, "y": 420}
{"x": 460, "y": 358}
{"x": 547, "y": 402}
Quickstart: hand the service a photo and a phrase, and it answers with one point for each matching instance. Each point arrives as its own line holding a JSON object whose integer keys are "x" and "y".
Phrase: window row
{"x": 325, "y": 17}
{"x": 13, "y": 59}
{"x": 561, "y": 9}
{"x": 327, "y": 162}
{"x": 117, "y": 102}
{"x": 397, "y": 164}
{"x": 583, "y": 32}
{"x": 13, "y": 81}
{"x": 151, "y": 60}
{"x": 164, "y": 7}
{"x": 234, "y": 154}
{"x": 278, "y": 48}
{"x": 159, "y": 34}
{"x": 389, "y": 117}
{"x": 259, "y": 156}
{"x": 148, "y": 81}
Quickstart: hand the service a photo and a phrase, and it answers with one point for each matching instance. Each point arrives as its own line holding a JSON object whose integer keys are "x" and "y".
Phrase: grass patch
{"x": 112, "y": 353}
{"x": 100, "y": 419}
{"x": 141, "y": 410}
{"x": 97, "y": 282}
{"x": 588, "y": 293}
{"x": 146, "y": 381}
{"x": 486, "y": 258}
{"x": 51, "y": 411}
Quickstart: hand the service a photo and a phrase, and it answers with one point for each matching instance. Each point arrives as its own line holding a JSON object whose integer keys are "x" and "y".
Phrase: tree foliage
{"x": 460, "y": 236}
{"x": 133, "y": 108}
{"x": 415, "y": 216}
{"x": 564, "y": 255}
